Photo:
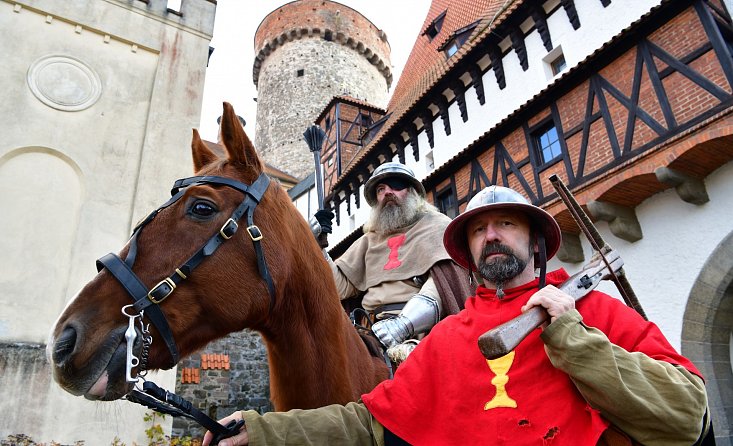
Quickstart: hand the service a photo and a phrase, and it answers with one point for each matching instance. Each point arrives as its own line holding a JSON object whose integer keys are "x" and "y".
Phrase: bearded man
{"x": 597, "y": 375}
{"x": 399, "y": 266}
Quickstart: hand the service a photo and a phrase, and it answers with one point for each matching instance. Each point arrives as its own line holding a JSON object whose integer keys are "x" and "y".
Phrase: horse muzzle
{"x": 100, "y": 376}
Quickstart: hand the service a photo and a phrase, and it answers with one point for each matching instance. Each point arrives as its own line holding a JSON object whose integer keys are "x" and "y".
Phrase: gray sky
{"x": 229, "y": 75}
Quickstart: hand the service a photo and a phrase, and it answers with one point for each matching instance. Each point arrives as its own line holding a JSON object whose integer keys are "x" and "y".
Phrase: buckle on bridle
{"x": 254, "y": 233}
{"x": 229, "y": 229}
{"x": 161, "y": 291}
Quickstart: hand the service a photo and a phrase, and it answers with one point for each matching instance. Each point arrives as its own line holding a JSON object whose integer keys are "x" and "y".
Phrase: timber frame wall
{"x": 648, "y": 111}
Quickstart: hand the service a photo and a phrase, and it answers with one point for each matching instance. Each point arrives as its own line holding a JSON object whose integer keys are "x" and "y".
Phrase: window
{"x": 459, "y": 37}
{"x": 554, "y": 62}
{"x": 365, "y": 119}
{"x": 435, "y": 26}
{"x": 547, "y": 144}
{"x": 429, "y": 162}
{"x": 446, "y": 203}
{"x": 558, "y": 65}
{"x": 451, "y": 48}
{"x": 300, "y": 73}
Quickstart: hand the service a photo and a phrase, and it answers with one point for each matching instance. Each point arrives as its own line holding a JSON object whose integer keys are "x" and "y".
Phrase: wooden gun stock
{"x": 504, "y": 338}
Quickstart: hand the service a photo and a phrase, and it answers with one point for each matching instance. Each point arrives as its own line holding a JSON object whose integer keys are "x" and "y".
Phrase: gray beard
{"x": 391, "y": 218}
{"x": 498, "y": 271}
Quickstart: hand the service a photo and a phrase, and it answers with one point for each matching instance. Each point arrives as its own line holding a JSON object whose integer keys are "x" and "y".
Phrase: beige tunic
{"x": 382, "y": 266}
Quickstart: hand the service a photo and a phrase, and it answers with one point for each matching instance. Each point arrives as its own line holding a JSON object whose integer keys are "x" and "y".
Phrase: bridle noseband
{"x": 146, "y": 301}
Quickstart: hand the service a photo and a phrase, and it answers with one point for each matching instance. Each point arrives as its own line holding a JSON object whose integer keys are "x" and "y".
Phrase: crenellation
{"x": 302, "y": 61}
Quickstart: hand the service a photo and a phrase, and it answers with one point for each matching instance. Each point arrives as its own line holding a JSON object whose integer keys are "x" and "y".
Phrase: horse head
{"x": 225, "y": 290}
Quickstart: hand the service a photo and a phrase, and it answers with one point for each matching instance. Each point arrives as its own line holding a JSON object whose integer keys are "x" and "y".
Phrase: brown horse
{"x": 315, "y": 355}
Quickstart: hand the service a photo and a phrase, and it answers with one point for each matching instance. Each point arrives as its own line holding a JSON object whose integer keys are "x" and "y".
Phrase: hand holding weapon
{"x": 504, "y": 338}
{"x": 314, "y": 136}
{"x": 605, "y": 264}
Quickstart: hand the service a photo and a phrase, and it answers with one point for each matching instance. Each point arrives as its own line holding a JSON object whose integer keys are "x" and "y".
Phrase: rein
{"x": 146, "y": 302}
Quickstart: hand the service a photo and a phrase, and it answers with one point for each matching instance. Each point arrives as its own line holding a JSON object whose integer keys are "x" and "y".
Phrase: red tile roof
{"x": 215, "y": 361}
{"x": 426, "y": 62}
{"x": 190, "y": 376}
{"x": 348, "y": 100}
{"x": 427, "y": 65}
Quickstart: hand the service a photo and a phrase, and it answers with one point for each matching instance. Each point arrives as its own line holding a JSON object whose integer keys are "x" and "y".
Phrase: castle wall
{"x": 99, "y": 101}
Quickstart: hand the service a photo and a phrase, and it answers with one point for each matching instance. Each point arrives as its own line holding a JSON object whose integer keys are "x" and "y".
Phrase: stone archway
{"x": 707, "y": 334}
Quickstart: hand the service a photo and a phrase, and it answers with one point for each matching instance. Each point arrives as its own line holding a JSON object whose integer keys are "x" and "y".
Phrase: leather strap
{"x": 388, "y": 307}
{"x": 139, "y": 293}
{"x": 144, "y": 298}
{"x": 160, "y": 400}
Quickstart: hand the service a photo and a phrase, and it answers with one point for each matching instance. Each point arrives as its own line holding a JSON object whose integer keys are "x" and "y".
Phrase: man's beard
{"x": 392, "y": 214}
{"x": 499, "y": 270}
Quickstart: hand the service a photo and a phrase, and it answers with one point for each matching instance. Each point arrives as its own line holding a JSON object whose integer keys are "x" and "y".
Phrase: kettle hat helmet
{"x": 390, "y": 170}
{"x": 499, "y": 198}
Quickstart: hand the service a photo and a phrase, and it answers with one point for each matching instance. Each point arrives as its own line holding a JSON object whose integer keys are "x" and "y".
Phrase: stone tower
{"x": 307, "y": 52}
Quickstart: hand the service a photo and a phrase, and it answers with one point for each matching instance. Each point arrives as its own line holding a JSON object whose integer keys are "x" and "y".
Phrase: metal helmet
{"x": 494, "y": 198}
{"x": 390, "y": 170}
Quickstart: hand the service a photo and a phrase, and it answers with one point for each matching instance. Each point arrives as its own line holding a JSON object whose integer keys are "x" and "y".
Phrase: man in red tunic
{"x": 597, "y": 374}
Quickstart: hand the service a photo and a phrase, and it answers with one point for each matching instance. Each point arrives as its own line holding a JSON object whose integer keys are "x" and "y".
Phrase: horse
{"x": 270, "y": 277}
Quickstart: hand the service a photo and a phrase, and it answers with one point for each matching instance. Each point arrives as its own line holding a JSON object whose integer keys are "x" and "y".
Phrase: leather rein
{"x": 146, "y": 302}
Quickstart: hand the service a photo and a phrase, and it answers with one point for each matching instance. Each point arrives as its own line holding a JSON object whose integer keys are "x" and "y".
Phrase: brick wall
{"x": 596, "y": 138}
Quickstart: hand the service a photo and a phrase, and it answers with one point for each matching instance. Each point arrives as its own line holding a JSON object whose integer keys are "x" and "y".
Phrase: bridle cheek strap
{"x": 144, "y": 299}
{"x": 139, "y": 293}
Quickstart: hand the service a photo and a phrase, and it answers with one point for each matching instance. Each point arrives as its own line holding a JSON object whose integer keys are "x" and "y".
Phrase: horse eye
{"x": 203, "y": 209}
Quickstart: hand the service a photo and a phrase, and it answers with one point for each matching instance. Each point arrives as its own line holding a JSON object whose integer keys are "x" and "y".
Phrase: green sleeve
{"x": 653, "y": 401}
{"x": 351, "y": 424}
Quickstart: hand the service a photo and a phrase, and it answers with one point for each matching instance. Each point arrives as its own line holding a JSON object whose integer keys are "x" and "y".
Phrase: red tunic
{"x": 448, "y": 393}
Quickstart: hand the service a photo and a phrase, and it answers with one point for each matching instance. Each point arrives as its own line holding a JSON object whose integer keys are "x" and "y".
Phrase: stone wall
{"x": 221, "y": 391}
{"x": 306, "y": 56}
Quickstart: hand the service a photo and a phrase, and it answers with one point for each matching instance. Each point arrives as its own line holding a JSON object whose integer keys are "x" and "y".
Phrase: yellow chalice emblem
{"x": 500, "y": 367}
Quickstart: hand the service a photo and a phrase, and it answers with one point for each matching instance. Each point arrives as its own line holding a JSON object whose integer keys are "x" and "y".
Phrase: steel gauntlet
{"x": 419, "y": 315}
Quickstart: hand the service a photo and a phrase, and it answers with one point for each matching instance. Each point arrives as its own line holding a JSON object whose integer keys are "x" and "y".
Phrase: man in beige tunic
{"x": 395, "y": 263}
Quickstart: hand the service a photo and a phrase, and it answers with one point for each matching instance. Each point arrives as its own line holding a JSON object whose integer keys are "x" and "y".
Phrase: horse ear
{"x": 202, "y": 155}
{"x": 238, "y": 146}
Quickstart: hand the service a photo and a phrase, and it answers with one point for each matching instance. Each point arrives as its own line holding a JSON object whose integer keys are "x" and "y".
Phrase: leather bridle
{"x": 146, "y": 301}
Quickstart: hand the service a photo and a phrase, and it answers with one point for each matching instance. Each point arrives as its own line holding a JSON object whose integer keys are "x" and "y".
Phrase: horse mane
{"x": 340, "y": 363}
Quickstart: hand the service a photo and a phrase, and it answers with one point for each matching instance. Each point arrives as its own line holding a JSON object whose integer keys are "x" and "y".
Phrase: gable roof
{"x": 427, "y": 64}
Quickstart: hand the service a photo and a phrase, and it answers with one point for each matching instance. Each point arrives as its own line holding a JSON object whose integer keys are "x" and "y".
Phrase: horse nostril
{"x": 64, "y": 345}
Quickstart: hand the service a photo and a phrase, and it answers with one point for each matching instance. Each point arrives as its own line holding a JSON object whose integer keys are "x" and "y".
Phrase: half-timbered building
{"x": 627, "y": 101}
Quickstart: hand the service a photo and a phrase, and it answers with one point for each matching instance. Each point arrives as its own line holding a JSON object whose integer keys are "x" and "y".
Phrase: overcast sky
{"x": 229, "y": 75}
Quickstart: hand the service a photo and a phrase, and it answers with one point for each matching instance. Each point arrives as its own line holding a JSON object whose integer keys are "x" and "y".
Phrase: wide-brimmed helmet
{"x": 495, "y": 198}
{"x": 390, "y": 170}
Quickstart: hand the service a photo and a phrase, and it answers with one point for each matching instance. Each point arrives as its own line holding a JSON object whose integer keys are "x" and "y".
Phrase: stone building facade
{"x": 99, "y": 99}
{"x": 307, "y": 52}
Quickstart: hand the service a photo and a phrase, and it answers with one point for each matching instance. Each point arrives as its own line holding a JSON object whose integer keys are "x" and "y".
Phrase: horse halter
{"x": 146, "y": 301}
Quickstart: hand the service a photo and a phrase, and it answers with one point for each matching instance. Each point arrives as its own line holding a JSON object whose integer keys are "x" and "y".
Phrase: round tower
{"x": 307, "y": 52}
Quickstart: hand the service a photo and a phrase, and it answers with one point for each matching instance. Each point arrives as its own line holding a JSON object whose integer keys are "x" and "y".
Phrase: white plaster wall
{"x": 598, "y": 25}
{"x": 678, "y": 238}
{"x": 41, "y": 214}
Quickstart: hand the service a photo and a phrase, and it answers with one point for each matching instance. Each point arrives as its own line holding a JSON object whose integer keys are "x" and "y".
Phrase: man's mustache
{"x": 390, "y": 198}
{"x": 496, "y": 248}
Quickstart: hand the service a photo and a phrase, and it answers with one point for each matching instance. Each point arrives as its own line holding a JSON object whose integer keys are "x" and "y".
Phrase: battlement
{"x": 322, "y": 19}
{"x": 196, "y": 14}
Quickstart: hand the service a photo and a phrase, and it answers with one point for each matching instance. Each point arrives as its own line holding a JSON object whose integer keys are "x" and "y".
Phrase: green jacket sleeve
{"x": 351, "y": 424}
{"x": 653, "y": 401}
